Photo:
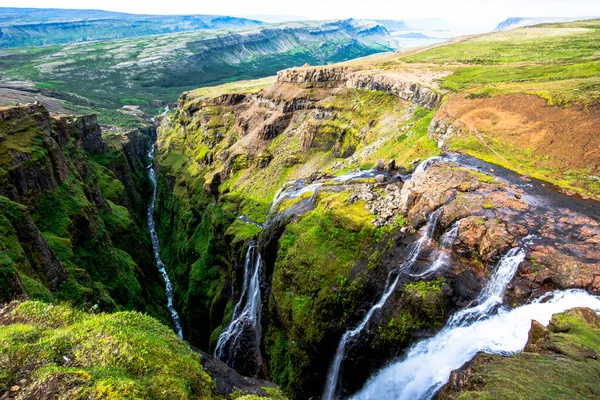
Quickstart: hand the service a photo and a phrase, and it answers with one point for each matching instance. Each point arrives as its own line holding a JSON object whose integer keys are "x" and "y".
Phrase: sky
{"x": 472, "y": 13}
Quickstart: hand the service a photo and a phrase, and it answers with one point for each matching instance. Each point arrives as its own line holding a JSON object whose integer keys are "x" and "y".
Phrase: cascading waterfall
{"x": 442, "y": 256}
{"x": 414, "y": 252}
{"x": 246, "y": 313}
{"x": 156, "y": 248}
{"x": 429, "y": 363}
{"x": 297, "y": 188}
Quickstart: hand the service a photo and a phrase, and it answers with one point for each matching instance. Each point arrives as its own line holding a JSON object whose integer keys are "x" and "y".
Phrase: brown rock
{"x": 539, "y": 338}
{"x": 391, "y": 165}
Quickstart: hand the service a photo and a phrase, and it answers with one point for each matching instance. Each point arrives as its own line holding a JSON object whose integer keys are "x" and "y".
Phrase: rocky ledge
{"x": 369, "y": 80}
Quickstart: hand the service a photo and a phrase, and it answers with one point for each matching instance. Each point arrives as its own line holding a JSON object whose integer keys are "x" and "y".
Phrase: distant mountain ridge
{"x": 518, "y": 22}
{"x": 24, "y": 27}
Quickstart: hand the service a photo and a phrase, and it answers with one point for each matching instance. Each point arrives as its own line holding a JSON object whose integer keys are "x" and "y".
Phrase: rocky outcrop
{"x": 331, "y": 77}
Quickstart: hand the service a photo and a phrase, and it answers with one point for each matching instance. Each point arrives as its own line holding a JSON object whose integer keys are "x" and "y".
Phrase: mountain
{"x": 151, "y": 71}
{"x": 277, "y": 19}
{"x": 392, "y": 25}
{"x": 517, "y": 22}
{"x": 413, "y": 35}
{"x": 20, "y": 27}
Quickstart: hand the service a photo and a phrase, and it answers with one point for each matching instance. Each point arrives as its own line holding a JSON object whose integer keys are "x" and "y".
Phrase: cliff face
{"x": 226, "y": 157}
{"x": 346, "y": 77}
{"x": 73, "y": 212}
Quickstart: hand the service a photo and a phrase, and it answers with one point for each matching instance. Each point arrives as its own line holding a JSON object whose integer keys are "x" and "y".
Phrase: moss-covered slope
{"x": 72, "y": 210}
{"x": 55, "y": 351}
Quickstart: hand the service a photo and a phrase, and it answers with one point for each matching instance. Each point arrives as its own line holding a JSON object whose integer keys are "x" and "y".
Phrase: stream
{"x": 156, "y": 247}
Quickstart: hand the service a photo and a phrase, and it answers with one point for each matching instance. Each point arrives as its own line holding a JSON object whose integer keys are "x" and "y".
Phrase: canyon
{"x": 333, "y": 232}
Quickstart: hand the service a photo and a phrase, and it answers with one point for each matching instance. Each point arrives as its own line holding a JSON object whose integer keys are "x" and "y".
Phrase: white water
{"x": 156, "y": 248}
{"x": 442, "y": 256}
{"x": 294, "y": 189}
{"x": 414, "y": 252}
{"x": 429, "y": 363}
{"x": 246, "y": 313}
{"x": 421, "y": 168}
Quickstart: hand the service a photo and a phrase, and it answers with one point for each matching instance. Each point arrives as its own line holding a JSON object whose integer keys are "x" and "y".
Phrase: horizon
{"x": 467, "y": 16}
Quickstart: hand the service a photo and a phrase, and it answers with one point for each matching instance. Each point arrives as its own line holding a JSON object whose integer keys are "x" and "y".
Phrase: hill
{"x": 152, "y": 71}
{"x": 20, "y": 27}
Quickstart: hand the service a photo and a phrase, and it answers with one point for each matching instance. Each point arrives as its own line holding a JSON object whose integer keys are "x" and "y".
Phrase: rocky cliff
{"x": 330, "y": 245}
{"x": 73, "y": 206}
{"x": 367, "y": 80}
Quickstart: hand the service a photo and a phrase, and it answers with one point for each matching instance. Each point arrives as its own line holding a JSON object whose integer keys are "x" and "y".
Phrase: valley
{"x": 152, "y": 71}
{"x": 330, "y": 232}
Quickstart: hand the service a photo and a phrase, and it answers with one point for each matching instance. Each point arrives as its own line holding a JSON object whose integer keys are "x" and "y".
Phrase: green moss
{"x": 111, "y": 188}
{"x": 422, "y": 306}
{"x": 241, "y": 232}
{"x": 123, "y": 355}
{"x": 35, "y": 289}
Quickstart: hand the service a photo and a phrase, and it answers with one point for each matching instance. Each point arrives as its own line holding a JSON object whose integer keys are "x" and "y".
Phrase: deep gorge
{"x": 331, "y": 234}
{"x": 214, "y": 202}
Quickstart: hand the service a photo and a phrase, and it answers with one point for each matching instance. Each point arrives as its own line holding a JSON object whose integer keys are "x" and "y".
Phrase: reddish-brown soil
{"x": 568, "y": 137}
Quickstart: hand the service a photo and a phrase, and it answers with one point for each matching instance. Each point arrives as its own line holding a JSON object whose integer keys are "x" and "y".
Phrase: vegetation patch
{"x": 121, "y": 356}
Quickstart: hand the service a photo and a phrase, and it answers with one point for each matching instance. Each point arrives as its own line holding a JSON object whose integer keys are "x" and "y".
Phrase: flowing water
{"x": 414, "y": 252}
{"x": 485, "y": 326}
{"x": 244, "y": 328}
{"x": 156, "y": 248}
{"x": 297, "y": 188}
{"x": 442, "y": 256}
{"x": 429, "y": 364}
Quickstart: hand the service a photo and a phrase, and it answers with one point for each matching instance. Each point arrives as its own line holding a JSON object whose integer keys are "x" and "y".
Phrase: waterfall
{"x": 246, "y": 313}
{"x": 414, "y": 252}
{"x": 429, "y": 363}
{"x": 156, "y": 248}
{"x": 442, "y": 256}
{"x": 297, "y": 188}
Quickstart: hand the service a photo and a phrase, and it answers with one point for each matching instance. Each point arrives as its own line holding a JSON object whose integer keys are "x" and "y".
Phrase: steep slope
{"x": 151, "y": 71}
{"x": 22, "y": 27}
{"x": 73, "y": 204}
{"x": 51, "y": 351}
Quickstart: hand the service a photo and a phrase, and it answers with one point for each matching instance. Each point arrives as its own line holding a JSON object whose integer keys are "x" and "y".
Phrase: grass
{"x": 559, "y": 62}
{"x": 119, "y": 356}
{"x": 521, "y": 161}
{"x": 245, "y": 86}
